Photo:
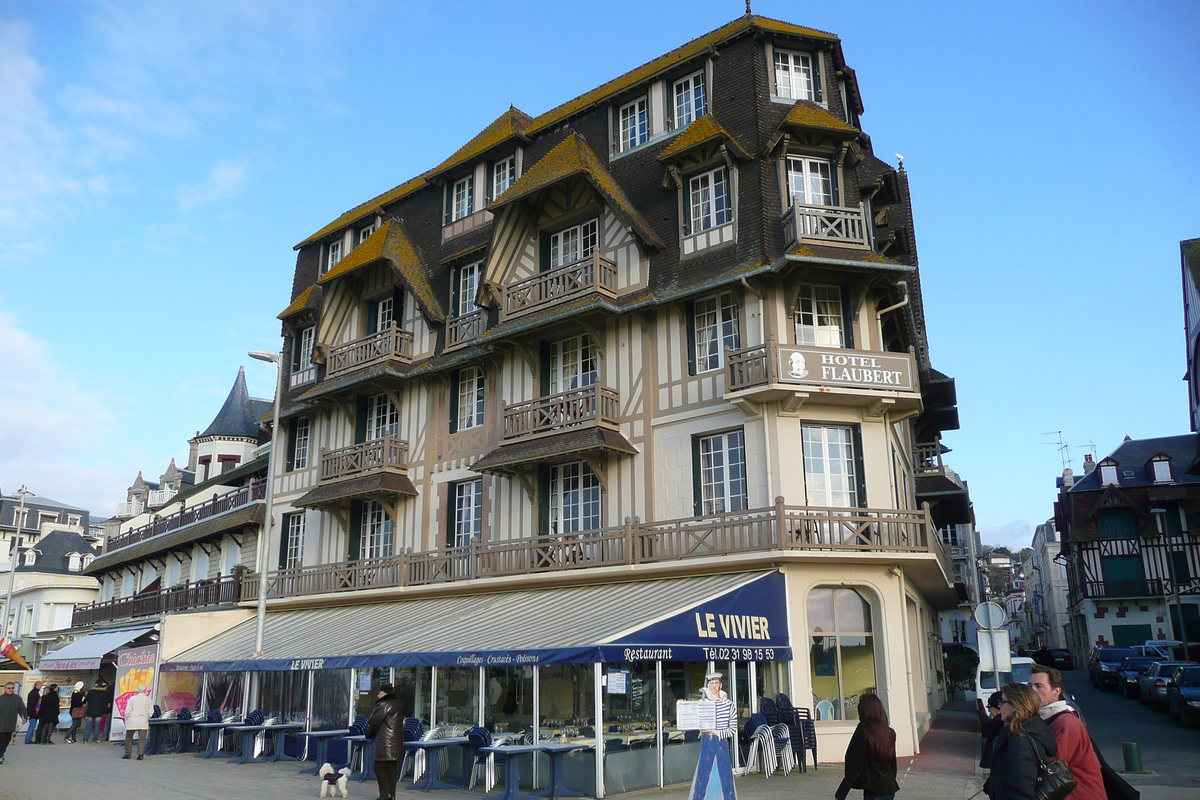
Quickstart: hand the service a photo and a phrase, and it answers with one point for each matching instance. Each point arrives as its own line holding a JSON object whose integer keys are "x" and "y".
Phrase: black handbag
{"x": 1054, "y": 778}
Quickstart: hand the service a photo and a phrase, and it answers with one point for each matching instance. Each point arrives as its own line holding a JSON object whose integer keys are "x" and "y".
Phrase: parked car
{"x": 1132, "y": 670}
{"x": 986, "y": 682}
{"x": 1152, "y": 687}
{"x": 1104, "y": 664}
{"x": 1183, "y": 696}
{"x": 1061, "y": 659}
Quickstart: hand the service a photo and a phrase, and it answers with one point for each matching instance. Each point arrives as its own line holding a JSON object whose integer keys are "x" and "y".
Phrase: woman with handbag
{"x": 1022, "y": 746}
{"x": 871, "y": 754}
{"x": 78, "y": 700}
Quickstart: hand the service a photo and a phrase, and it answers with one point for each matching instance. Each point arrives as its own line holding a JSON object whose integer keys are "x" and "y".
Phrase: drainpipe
{"x": 879, "y": 314}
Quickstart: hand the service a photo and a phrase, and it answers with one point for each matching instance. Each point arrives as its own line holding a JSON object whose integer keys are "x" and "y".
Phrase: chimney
{"x": 1088, "y": 464}
{"x": 1068, "y": 478}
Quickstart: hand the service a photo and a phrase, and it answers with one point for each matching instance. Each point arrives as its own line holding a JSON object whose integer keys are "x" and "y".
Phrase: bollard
{"x": 1133, "y": 756}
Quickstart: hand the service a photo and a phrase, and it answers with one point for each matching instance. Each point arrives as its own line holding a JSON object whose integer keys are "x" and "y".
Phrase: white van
{"x": 986, "y": 683}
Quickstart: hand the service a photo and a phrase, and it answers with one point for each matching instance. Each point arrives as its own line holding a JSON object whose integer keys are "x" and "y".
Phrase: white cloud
{"x": 1013, "y": 535}
{"x": 224, "y": 180}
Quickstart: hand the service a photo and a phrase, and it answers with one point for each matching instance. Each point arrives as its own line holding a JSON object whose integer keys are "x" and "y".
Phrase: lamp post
{"x": 14, "y": 552}
{"x": 264, "y": 536}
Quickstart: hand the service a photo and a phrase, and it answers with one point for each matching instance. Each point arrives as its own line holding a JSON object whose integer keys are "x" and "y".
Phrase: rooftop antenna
{"x": 1064, "y": 449}
{"x": 747, "y": 8}
{"x": 1091, "y": 446}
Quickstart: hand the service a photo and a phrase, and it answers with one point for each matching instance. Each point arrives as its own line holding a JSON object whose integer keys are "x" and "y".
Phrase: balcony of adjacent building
{"x": 771, "y": 534}
{"x": 130, "y": 509}
{"x": 589, "y": 277}
{"x": 935, "y": 483}
{"x": 795, "y": 374}
{"x": 834, "y": 226}
{"x": 154, "y": 601}
{"x": 160, "y": 497}
{"x": 393, "y": 345}
{"x": 212, "y": 512}
{"x": 374, "y": 469}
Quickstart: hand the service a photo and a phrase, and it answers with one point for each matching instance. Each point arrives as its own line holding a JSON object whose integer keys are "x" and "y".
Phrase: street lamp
{"x": 14, "y": 552}
{"x": 271, "y": 357}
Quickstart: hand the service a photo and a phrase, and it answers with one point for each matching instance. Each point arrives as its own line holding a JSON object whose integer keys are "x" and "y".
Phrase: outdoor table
{"x": 512, "y": 775}
{"x": 368, "y": 753}
{"x": 248, "y": 733}
{"x": 321, "y": 739}
{"x": 556, "y": 751}
{"x": 431, "y": 748}
{"x": 158, "y": 726}
{"x": 216, "y": 731}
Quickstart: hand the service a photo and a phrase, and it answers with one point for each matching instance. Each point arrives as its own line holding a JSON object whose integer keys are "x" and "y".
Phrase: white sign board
{"x": 990, "y": 615}
{"x": 993, "y": 650}
{"x": 696, "y": 715}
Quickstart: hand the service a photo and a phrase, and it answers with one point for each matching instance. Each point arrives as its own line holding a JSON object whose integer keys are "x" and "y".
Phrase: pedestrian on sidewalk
{"x": 31, "y": 708}
{"x": 1074, "y": 741}
{"x": 386, "y": 728}
{"x": 48, "y": 714}
{"x": 77, "y": 711}
{"x": 11, "y": 707}
{"x": 991, "y": 729}
{"x": 99, "y": 705}
{"x": 871, "y": 755}
{"x": 137, "y": 720}
{"x": 1022, "y": 743}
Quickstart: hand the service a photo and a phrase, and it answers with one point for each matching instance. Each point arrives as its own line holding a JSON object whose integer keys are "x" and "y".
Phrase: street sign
{"x": 990, "y": 615}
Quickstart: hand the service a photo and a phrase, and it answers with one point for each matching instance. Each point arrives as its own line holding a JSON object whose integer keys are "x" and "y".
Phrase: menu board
{"x": 696, "y": 715}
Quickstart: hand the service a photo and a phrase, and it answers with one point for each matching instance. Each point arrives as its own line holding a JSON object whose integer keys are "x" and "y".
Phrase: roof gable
{"x": 509, "y": 125}
{"x": 390, "y": 243}
{"x": 701, "y": 131}
{"x": 309, "y": 298}
{"x": 373, "y": 206}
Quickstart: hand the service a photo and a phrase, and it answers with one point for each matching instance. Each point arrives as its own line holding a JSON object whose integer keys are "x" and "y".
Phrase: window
{"x": 174, "y": 572}
{"x": 376, "y": 531}
{"x": 574, "y": 498}
{"x": 365, "y": 233}
{"x": 46, "y": 518}
{"x": 1108, "y": 473}
{"x": 722, "y": 473}
{"x": 382, "y": 417}
{"x": 717, "y": 327}
{"x": 461, "y": 200}
{"x": 229, "y": 463}
{"x": 21, "y": 517}
{"x": 334, "y": 255}
{"x": 690, "y": 103}
{"x": 299, "y": 436}
{"x": 87, "y": 560}
{"x": 468, "y": 512}
{"x": 843, "y": 651}
{"x": 811, "y": 181}
{"x": 573, "y": 244}
{"x": 708, "y": 201}
{"x": 302, "y": 349}
{"x": 794, "y": 76}
{"x": 1162, "y": 469}
{"x": 634, "y": 123}
{"x": 504, "y": 175}
{"x": 291, "y": 549}
{"x": 819, "y": 318}
{"x": 74, "y": 562}
{"x": 469, "y": 399}
{"x": 31, "y": 557}
{"x": 383, "y": 313}
{"x": 464, "y": 289}
{"x": 571, "y": 364}
{"x": 74, "y": 519}
{"x": 230, "y": 555}
{"x": 830, "y": 466}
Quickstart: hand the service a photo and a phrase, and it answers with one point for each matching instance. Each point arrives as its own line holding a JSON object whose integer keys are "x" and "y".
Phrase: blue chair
{"x": 587, "y": 731}
{"x": 613, "y": 745}
{"x": 767, "y": 706}
{"x": 691, "y": 736}
{"x": 412, "y": 732}
{"x": 478, "y": 738}
{"x": 184, "y": 713}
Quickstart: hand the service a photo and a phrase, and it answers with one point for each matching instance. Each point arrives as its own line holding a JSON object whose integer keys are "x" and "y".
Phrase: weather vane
{"x": 747, "y": 8}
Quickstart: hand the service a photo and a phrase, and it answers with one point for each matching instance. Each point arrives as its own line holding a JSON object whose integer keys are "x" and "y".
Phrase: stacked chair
{"x": 770, "y": 746}
{"x": 801, "y": 729}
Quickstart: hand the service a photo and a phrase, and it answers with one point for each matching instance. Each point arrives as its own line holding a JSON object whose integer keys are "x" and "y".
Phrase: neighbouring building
{"x": 1046, "y": 615}
{"x": 614, "y": 395}
{"x": 25, "y": 524}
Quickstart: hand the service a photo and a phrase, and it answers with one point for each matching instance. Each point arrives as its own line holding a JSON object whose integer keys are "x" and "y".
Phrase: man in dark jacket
{"x": 386, "y": 728}
{"x": 99, "y": 706}
{"x": 11, "y": 707}
{"x": 31, "y": 709}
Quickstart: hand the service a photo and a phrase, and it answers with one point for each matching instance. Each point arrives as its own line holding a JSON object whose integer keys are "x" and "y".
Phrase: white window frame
{"x": 467, "y": 497}
{"x": 469, "y": 395}
{"x": 717, "y": 321}
{"x": 813, "y": 322}
{"x": 574, "y": 364}
{"x": 633, "y": 124}
{"x": 366, "y": 232}
{"x": 1108, "y": 475}
{"x": 73, "y": 520}
{"x": 1162, "y": 470}
{"x": 302, "y": 443}
{"x": 375, "y": 533}
{"x": 174, "y": 571}
{"x": 723, "y": 486}
{"x": 576, "y": 499}
{"x": 830, "y": 466}
{"x": 462, "y": 198}
{"x": 293, "y": 548}
{"x": 88, "y": 558}
{"x": 504, "y": 175}
{"x": 467, "y": 277}
{"x": 811, "y": 181}
{"x": 574, "y": 243}
{"x": 31, "y": 557}
{"x": 304, "y": 344}
{"x": 385, "y": 313}
{"x": 74, "y": 562}
{"x": 383, "y": 418}
{"x": 709, "y": 202}
{"x": 230, "y": 556}
{"x": 794, "y": 77}
{"x": 333, "y": 254}
{"x": 689, "y": 97}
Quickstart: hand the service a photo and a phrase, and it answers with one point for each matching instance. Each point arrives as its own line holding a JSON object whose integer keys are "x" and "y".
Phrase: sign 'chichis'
{"x": 732, "y": 626}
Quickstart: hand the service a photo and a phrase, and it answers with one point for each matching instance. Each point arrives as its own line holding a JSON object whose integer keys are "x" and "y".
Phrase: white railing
{"x": 131, "y": 509}
{"x": 160, "y": 496}
{"x": 830, "y": 224}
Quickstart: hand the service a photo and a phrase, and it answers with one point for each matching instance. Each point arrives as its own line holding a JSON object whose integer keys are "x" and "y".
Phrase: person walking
{"x": 1073, "y": 740}
{"x": 31, "y": 708}
{"x": 386, "y": 729}
{"x": 991, "y": 729}
{"x": 11, "y": 707}
{"x": 871, "y": 754}
{"x": 99, "y": 705}
{"x": 137, "y": 720}
{"x": 78, "y": 697}
{"x": 48, "y": 714}
{"x": 1022, "y": 742}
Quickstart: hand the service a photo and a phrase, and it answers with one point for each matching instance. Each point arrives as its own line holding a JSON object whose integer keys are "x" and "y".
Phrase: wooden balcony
{"x": 388, "y": 454}
{"x": 781, "y": 527}
{"x": 592, "y": 275}
{"x": 1099, "y": 590}
{"x": 391, "y": 344}
{"x": 463, "y": 329}
{"x": 222, "y": 591}
{"x": 831, "y": 225}
{"x": 591, "y": 406}
{"x": 217, "y": 505}
{"x": 927, "y": 458}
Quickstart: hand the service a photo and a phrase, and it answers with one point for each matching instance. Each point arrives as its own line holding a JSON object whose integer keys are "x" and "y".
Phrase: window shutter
{"x": 818, "y": 93}
{"x": 670, "y": 93}
{"x": 294, "y": 344}
{"x": 449, "y": 217}
{"x": 833, "y": 181}
{"x": 697, "y": 481}
{"x": 291, "y": 444}
{"x": 615, "y": 146}
{"x": 690, "y": 323}
{"x": 489, "y": 175}
{"x": 455, "y": 291}
{"x": 455, "y": 377}
{"x": 545, "y": 368}
{"x": 354, "y": 537}
{"x": 847, "y": 309}
{"x": 860, "y": 477}
{"x": 398, "y": 306}
{"x": 544, "y": 499}
{"x": 360, "y": 419}
{"x": 372, "y": 317}
{"x": 545, "y": 252}
{"x": 283, "y": 538}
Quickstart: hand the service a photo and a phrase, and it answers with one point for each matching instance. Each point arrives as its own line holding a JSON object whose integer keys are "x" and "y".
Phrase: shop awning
{"x": 86, "y": 653}
{"x": 741, "y": 616}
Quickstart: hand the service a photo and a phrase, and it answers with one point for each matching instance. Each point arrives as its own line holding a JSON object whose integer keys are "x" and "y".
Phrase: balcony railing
{"x": 826, "y": 224}
{"x": 387, "y": 453}
{"x": 393, "y": 342}
{"x": 464, "y": 328}
{"x": 1151, "y": 587}
{"x": 592, "y": 405}
{"x": 927, "y": 458}
{"x": 799, "y": 366}
{"x": 160, "y": 497}
{"x": 219, "y": 504}
{"x": 591, "y": 274}
{"x": 222, "y": 591}
{"x": 130, "y": 509}
{"x": 777, "y": 528}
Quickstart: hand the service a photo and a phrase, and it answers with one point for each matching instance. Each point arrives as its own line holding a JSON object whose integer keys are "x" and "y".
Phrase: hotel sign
{"x": 858, "y": 369}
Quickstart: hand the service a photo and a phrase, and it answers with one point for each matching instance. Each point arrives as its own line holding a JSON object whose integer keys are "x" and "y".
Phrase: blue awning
{"x": 741, "y": 616}
{"x": 89, "y": 651}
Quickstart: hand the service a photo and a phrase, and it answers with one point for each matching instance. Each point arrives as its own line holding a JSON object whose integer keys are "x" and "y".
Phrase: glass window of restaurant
{"x": 223, "y": 692}
{"x": 180, "y": 690}
{"x": 457, "y": 696}
{"x": 567, "y": 713}
{"x": 682, "y": 680}
{"x": 367, "y": 683}
{"x": 630, "y": 736}
{"x": 508, "y": 706}
{"x": 842, "y": 651}
{"x": 330, "y": 699}
{"x": 284, "y": 696}
{"x": 414, "y": 690}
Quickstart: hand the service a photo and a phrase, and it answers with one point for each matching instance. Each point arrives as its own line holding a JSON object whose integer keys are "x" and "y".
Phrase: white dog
{"x": 334, "y": 782}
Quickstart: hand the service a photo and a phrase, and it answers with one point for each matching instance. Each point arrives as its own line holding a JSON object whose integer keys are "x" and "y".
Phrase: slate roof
{"x": 10, "y": 504}
{"x": 53, "y": 549}
{"x": 203, "y": 529}
{"x": 373, "y": 206}
{"x": 809, "y": 115}
{"x": 379, "y": 484}
{"x": 310, "y": 298}
{"x": 534, "y": 451}
{"x": 240, "y": 414}
{"x": 1132, "y": 456}
{"x": 512, "y": 124}
{"x": 703, "y": 130}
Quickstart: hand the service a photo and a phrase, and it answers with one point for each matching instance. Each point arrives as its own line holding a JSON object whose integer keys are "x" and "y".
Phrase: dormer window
{"x": 504, "y": 175}
{"x": 1108, "y": 472}
{"x": 74, "y": 562}
{"x": 302, "y": 349}
{"x": 87, "y": 560}
{"x": 460, "y": 200}
{"x": 365, "y": 232}
{"x": 573, "y": 244}
{"x": 31, "y": 557}
{"x": 812, "y": 181}
{"x": 1161, "y": 464}
{"x": 797, "y": 76}
{"x": 690, "y": 100}
{"x": 633, "y": 124}
{"x": 333, "y": 255}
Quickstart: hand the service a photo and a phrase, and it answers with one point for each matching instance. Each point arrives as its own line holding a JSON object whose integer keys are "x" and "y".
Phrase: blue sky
{"x": 158, "y": 161}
